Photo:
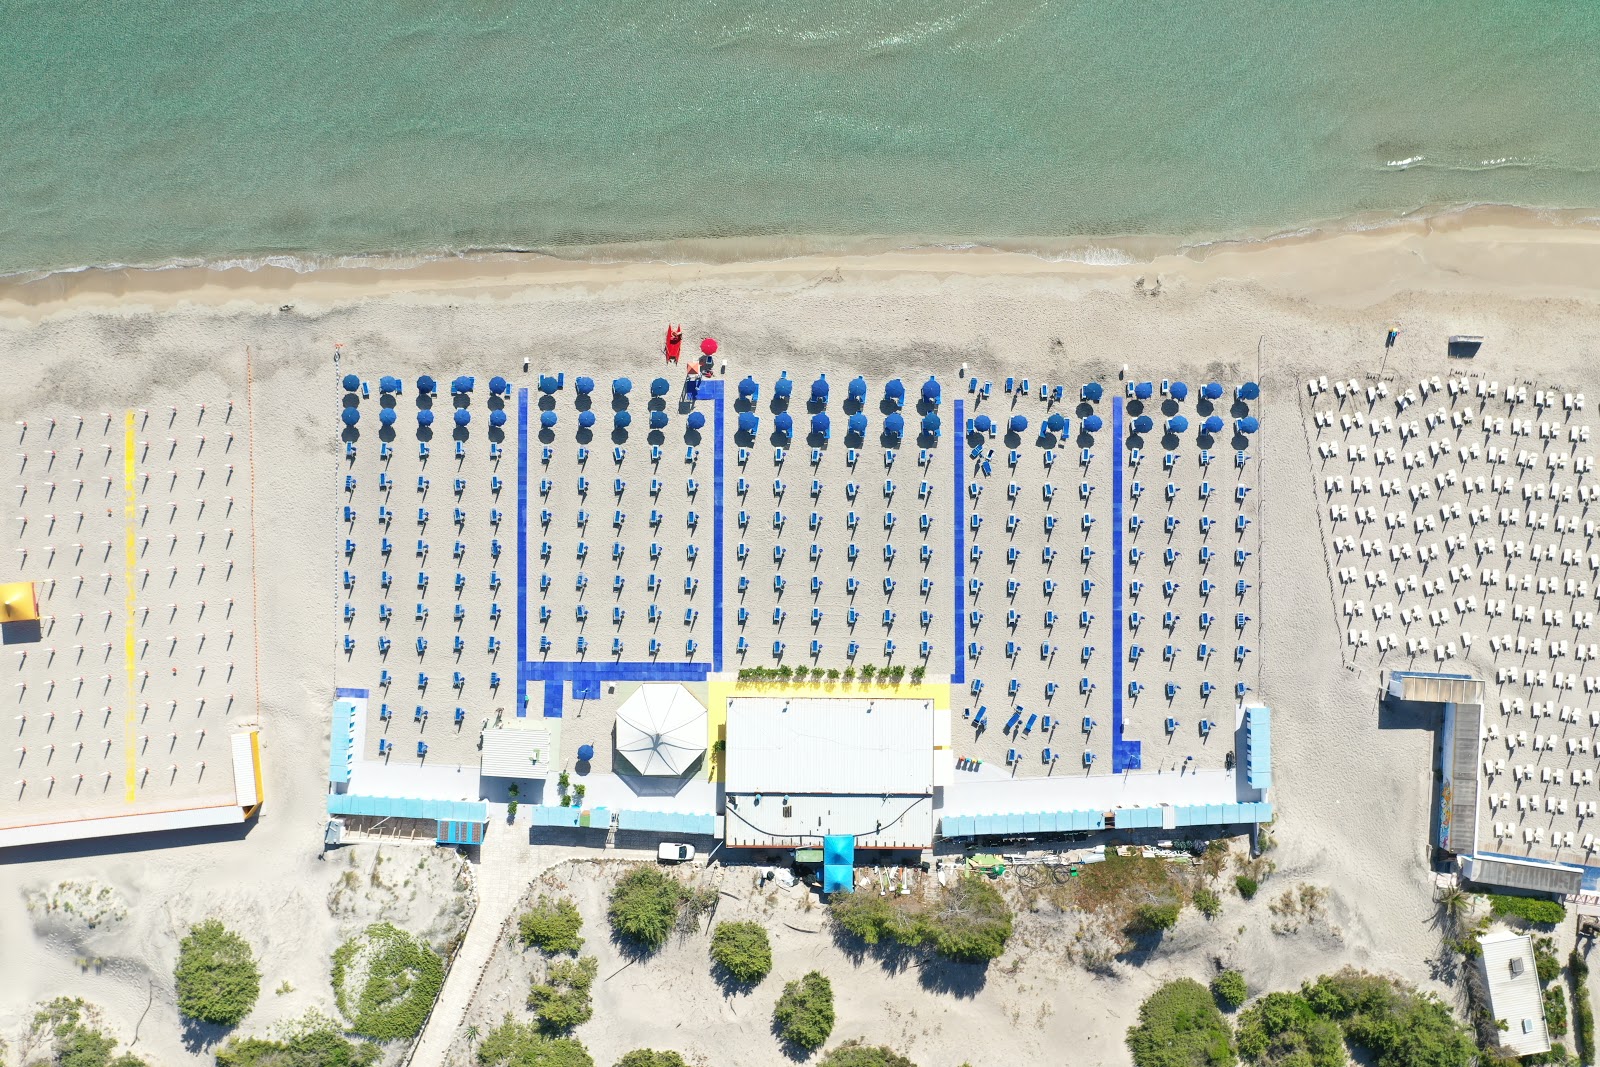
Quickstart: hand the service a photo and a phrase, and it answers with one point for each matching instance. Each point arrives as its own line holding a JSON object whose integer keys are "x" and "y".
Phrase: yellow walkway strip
{"x": 130, "y": 523}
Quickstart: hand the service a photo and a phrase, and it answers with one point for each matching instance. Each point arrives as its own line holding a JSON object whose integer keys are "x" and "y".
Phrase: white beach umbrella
{"x": 661, "y": 729}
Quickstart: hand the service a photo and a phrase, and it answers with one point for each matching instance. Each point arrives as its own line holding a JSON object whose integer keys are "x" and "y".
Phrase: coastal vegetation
{"x": 1180, "y": 1026}
{"x": 561, "y": 1002}
{"x": 68, "y": 1032}
{"x": 967, "y": 922}
{"x": 645, "y": 907}
{"x": 857, "y": 1053}
{"x": 1229, "y": 989}
{"x": 742, "y": 951}
{"x": 649, "y": 1057}
{"x": 552, "y": 926}
{"x": 1536, "y": 911}
{"x": 217, "y": 977}
{"x": 385, "y": 981}
{"x": 866, "y": 674}
{"x": 312, "y": 1042}
{"x": 803, "y": 1016}
{"x": 514, "y": 1044}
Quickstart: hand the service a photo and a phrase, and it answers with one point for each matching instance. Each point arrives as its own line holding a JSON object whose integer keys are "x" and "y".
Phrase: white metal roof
{"x": 518, "y": 753}
{"x": 661, "y": 729}
{"x": 245, "y": 788}
{"x": 1514, "y": 993}
{"x": 831, "y": 745}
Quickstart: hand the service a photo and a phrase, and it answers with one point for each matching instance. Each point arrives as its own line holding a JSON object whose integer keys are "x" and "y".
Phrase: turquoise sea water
{"x": 163, "y": 130}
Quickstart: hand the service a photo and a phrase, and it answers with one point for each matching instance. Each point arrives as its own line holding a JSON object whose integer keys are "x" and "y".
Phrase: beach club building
{"x": 803, "y": 769}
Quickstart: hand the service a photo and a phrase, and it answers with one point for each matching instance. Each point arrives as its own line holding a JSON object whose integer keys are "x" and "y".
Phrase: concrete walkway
{"x": 507, "y": 865}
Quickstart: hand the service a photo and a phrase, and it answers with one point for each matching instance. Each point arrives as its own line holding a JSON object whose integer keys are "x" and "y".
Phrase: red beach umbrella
{"x": 708, "y": 345}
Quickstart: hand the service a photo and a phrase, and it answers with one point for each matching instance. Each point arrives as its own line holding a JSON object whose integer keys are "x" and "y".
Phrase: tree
{"x": 1229, "y": 989}
{"x": 514, "y": 1044}
{"x": 644, "y": 907}
{"x": 742, "y": 950}
{"x": 217, "y": 977}
{"x": 561, "y": 1002}
{"x": 1282, "y": 1030}
{"x": 649, "y": 1057}
{"x": 857, "y": 1053}
{"x": 1180, "y": 1026}
{"x": 552, "y": 926}
{"x": 803, "y": 1015}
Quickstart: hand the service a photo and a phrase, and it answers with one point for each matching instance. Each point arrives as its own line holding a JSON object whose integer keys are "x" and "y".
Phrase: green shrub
{"x": 552, "y": 926}
{"x": 319, "y": 1047}
{"x": 514, "y": 1044}
{"x": 1207, "y": 903}
{"x": 1545, "y": 963}
{"x": 804, "y": 1013}
{"x": 1229, "y": 989}
{"x": 968, "y": 922}
{"x": 1582, "y": 1011}
{"x": 1180, "y": 1026}
{"x": 1399, "y": 1026}
{"x": 742, "y": 951}
{"x": 644, "y": 907}
{"x": 1283, "y": 1030}
{"x": 1246, "y": 885}
{"x": 1153, "y": 917}
{"x": 1555, "y": 1011}
{"x": 71, "y": 1029}
{"x": 561, "y": 1002}
{"x": 649, "y": 1057}
{"x": 403, "y": 976}
{"x": 857, "y": 1053}
{"x": 217, "y": 977}
{"x": 1534, "y": 910}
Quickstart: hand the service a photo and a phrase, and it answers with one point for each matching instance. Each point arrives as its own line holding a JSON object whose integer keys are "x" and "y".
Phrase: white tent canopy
{"x": 661, "y": 729}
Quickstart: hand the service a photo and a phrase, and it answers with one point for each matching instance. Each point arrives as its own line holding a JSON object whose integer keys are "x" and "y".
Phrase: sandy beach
{"x": 1352, "y": 792}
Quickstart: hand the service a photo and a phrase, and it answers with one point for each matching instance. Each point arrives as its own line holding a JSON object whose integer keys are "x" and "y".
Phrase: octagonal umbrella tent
{"x": 1178, "y": 391}
{"x": 426, "y": 385}
{"x": 584, "y": 385}
{"x": 658, "y": 420}
{"x": 621, "y": 420}
{"x": 819, "y": 389}
{"x": 387, "y": 416}
{"x": 783, "y": 422}
{"x": 858, "y": 424}
{"x": 1249, "y": 424}
{"x": 696, "y": 420}
{"x": 1093, "y": 423}
{"x": 1019, "y": 423}
{"x": 425, "y": 417}
{"x": 1056, "y": 422}
{"x": 895, "y": 392}
{"x": 389, "y": 384}
{"x": 857, "y": 390}
{"x": 708, "y": 346}
{"x": 351, "y": 383}
{"x": 661, "y": 730}
{"x": 1213, "y": 424}
{"x": 820, "y": 423}
{"x": 1249, "y": 391}
{"x": 1177, "y": 424}
{"x": 983, "y": 424}
{"x": 894, "y": 424}
{"x": 1092, "y": 391}
{"x": 659, "y": 387}
{"x": 783, "y": 387}
{"x": 748, "y": 388}
{"x": 1144, "y": 390}
{"x": 1212, "y": 391}
{"x": 748, "y": 423}
{"x": 1141, "y": 423}
{"x": 547, "y": 419}
{"x": 465, "y": 382}
{"x": 463, "y": 416}
{"x": 549, "y": 383}
{"x": 351, "y": 416}
{"x": 930, "y": 423}
{"x": 930, "y": 390}
{"x": 622, "y": 386}
{"x": 585, "y": 418}
{"x": 498, "y": 385}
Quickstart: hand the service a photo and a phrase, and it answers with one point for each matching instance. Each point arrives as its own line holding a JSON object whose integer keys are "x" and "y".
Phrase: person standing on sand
{"x": 1390, "y": 340}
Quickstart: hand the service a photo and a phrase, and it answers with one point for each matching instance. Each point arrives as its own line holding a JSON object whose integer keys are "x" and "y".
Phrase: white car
{"x": 674, "y": 852}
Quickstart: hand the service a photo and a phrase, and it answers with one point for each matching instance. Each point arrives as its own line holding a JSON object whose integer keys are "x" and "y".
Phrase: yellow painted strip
{"x": 130, "y": 523}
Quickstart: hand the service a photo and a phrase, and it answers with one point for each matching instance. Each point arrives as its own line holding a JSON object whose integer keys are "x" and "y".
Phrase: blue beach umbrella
{"x": 1249, "y": 391}
{"x": 426, "y": 385}
{"x": 351, "y": 416}
{"x": 584, "y": 385}
{"x": 783, "y": 423}
{"x": 387, "y": 416}
{"x": 748, "y": 423}
{"x": 820, "y": 423}
{"x": 1093, "y": 423}
{"x": 1178, "y": 391}
{"x": 894, "y": 424}
{"x": 351, "y": 383}
{"x": 858, "y": 424}
{"x": 1177, "y": 424}
{"x": 1249, "y": 424}
{"x": 697, "y": 419}
{"x": 425, "y": 417}
{"x": 497, "y": 417}
{"x": 1141, "y": 424}
{"x": 783, "y": 386}
{"x": 498, "y": 385}
{"x": 1213, "y": 424}
{"x": 1019, "y": 423}
{"x": 585, "y": 418}
{"x": 586, "y": 752}
{"x": 1144, "y": 390}
{"x": 463, "y": 416}
{"x": 549, "y": 383}
{"x": 983, "y": 424}
{"x": 895, "y": 391}
{"x": 857, "y": 389}
{"x": 621, "y": 420}
{"x": 930, "y": 423}
{"x": 1056, "y": 423}
{"x": 749, "y": 389}
{"x": 930, "y": 390}
{"x": 819, "y": 389}
{"x": 658, "y": 420}
{"x": 547, "y": 419}
{"x": 622, "y": 386}
{"x": 465, "y": 382}
{"x": 1212, "y": 391}
{"x": 389, "y": 384}
{"x": 1093, "y": 391}
{"x": 659, "y": 387}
